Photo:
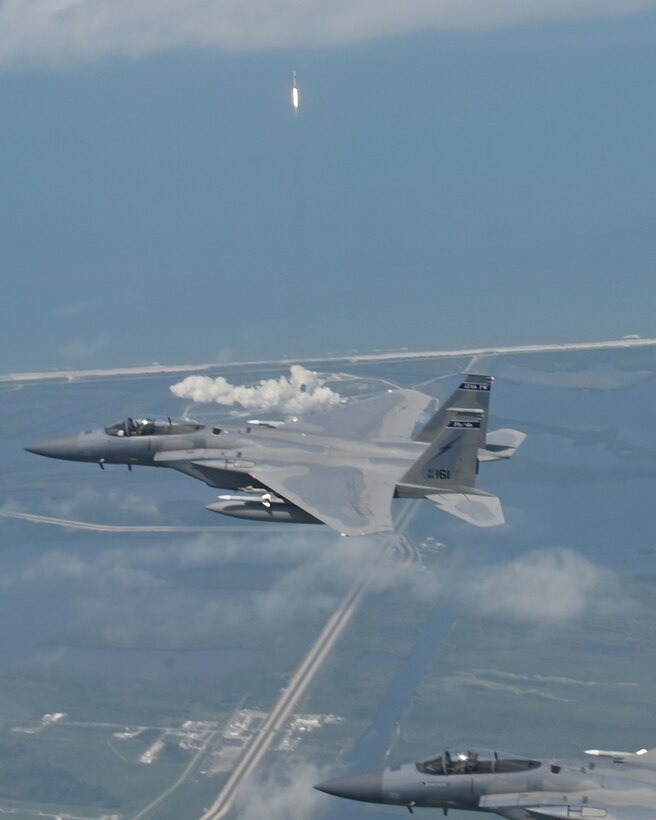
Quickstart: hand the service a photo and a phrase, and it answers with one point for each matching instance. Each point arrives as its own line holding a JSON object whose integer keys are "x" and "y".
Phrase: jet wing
{"x": 390, "y": 415}
{"x": 354, "y": 500}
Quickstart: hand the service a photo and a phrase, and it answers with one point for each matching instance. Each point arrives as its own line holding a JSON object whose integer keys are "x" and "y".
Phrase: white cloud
{"x": 104, "y": 573}
{"x": 303, "y": 391}
{"x": 87, "y": 503}
{"x": 126, "y": 592}
{"x": 285, "y": 795}
{"x": 421, "y": 583}
{"x": 544, "y": 586}
{"x": 68, "y": 32}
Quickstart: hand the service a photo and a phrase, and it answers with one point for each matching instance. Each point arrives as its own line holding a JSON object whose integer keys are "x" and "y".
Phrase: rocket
{"x": 296, "y": 98}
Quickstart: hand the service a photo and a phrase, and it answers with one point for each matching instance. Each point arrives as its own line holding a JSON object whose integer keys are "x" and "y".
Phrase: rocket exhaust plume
{"x": 296, "y": 97}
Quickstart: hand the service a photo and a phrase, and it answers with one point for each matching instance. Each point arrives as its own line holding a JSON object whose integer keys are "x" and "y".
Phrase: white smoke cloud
{"x": 545, "y": 586}
{"x": 69, "y": 32}
{"x": 303, "y": 391}
{"x": 284, "y": 795}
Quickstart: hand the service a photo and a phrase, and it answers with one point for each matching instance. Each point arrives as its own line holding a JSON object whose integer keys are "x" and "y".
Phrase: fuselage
{"x": 406, "y": 784}
{"x": 516, "y": 788}
{"x": 301, "y": 472}
{"x": 233, "y": 455}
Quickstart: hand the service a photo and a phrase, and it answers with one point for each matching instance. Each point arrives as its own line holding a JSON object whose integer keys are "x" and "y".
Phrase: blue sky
{"x": 440, "y": 188}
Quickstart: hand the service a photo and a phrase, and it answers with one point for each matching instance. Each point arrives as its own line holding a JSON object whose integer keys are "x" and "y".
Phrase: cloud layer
{"x": 545, "y": 586}
{"x": 69, "y": 32}
{"x": 303, "y": 391}
{"x": 89, "y": 504}
{"x": 123, "y": 593}
{"x": 283, "y": 795}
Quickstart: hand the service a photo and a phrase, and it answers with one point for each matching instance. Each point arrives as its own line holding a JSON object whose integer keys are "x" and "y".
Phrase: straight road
{"x": 303, "y": 676}
{"x": 73, "y": 375}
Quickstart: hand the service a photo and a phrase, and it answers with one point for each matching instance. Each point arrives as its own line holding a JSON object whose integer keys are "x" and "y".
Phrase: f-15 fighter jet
{"x": 342, "y": 467}
{"x": 606, "y": 786}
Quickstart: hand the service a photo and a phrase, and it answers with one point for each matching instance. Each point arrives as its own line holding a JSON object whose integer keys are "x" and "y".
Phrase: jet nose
{"x": 59, "y": 447}
{"x": 367, "y": 786}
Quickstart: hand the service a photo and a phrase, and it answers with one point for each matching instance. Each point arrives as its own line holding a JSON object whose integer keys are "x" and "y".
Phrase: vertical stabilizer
{"x": 473, "y": 393}
{"x": 450, "y": 461}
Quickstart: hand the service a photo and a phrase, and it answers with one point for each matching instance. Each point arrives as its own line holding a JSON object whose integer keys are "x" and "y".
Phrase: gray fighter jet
{"x": 606, "y": 786}
{"x": 341, "y": 468}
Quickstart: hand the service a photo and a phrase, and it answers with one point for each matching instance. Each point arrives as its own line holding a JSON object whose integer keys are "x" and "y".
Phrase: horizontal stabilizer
{"x": 480, "y": 510}
{"x": 501, "y": 444}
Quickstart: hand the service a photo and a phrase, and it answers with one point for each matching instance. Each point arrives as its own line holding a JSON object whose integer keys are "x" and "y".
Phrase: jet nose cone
{"x": 367, "y": 786}
{"x": 59, "y": 447}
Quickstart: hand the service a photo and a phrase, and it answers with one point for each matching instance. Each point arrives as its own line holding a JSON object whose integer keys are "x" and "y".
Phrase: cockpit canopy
{"x": 151, "y": 426}
{"x": 476, "y": 762}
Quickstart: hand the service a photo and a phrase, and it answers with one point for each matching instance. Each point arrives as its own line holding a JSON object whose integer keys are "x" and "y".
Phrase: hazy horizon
{"x": 448, "y": 183}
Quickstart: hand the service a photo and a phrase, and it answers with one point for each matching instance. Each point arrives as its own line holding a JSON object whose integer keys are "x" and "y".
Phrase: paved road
{"x": 73, "y": 375}
{"x": 303, "y": 677}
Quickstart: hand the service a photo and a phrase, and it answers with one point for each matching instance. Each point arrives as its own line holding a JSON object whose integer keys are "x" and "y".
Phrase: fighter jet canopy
{"x": 152, "y": 426}
{"x": 476, "y": 761}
